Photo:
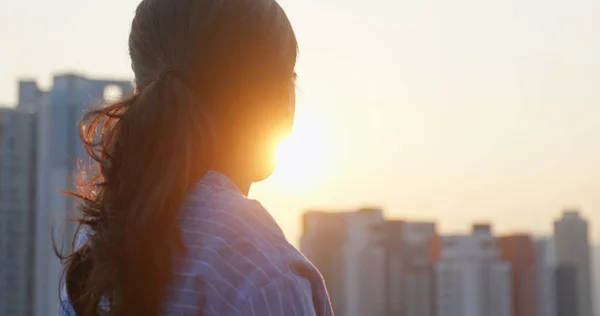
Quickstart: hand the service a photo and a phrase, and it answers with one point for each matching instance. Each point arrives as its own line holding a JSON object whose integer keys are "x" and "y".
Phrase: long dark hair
{"x": 207, "y": 74}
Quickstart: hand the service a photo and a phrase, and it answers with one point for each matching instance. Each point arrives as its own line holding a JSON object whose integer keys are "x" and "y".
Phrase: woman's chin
{"x": 263, "y": 173}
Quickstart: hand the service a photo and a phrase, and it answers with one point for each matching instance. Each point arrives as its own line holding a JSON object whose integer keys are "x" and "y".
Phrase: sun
{"x": 302, "y": 157}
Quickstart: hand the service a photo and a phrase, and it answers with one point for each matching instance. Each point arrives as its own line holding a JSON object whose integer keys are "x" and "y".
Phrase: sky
{"x": 452, "y": 111}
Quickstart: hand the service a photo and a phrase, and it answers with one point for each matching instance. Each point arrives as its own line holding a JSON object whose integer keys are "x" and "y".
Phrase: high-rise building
{"x": 472, "y": 279}
{"x": 571, "y": 239}
{"x": 17, "y": 197}
{"x": 519, "y": 251}
{"x": 29, "y": 96}
{"x": 596, "y": 273}
{"x": 410, "y": 273}
{"x": 545, "y": 277}
{"x": 59, "y": 151}
{"x": 323, "y": 242}
{"x": 346, "y": 247}
{"x": 567, "y": 298}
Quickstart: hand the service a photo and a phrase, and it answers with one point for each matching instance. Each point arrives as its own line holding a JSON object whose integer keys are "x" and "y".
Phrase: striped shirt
{"x": 237, "y": 262}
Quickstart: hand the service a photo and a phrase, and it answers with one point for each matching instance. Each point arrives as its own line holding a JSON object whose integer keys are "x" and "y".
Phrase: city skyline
{"x": 376, "y": 266}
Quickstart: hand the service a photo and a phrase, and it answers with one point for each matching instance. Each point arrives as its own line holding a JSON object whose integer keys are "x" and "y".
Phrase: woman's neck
{"x": 241, "y": 180}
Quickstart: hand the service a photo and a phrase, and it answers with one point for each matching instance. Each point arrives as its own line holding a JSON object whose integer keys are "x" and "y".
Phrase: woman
{"x": 169, "y": 230}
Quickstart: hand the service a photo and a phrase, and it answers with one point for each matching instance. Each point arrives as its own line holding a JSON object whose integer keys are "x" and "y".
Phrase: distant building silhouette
{"x": 567, "y": 296}
{"x": 545, "y": 272}
{"x": 347, "y": 249}
{"x": 17, "y": 204}
{"x": 323, "y": 242}
{"x": 519, "y": 251}
{"x": 410, "y": 273}
{"x": 596, "y": 276}
{"x": 472, "y": 279}
{"x": 29, "y": 96}
{"x": 573, "y": 260}
{"x": 58, "y": 152}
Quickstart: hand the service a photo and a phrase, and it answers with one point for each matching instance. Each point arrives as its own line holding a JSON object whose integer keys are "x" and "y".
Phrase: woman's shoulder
{"x": 225, "y": 273}
{"x": 235, "y": 251}
{"x": 226, "y": 217}
{"x": 231, "y": 235}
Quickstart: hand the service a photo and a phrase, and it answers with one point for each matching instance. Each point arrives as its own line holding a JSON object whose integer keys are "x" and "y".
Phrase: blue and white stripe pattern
{"x": 238, "y": 261}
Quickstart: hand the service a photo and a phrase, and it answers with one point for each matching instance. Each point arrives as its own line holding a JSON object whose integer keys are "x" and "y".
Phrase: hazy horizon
{"x": 454, "y": 112}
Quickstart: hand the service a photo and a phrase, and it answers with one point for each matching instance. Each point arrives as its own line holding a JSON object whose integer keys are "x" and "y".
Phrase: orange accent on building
{"x": 519, "y": 251}
{"x": 435, "y": 249}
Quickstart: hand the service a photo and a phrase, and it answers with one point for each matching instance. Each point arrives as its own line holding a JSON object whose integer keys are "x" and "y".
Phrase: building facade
{"x": 410, "y": 273}
{"x": 472, "y": 279}
{"x": 546, "y": 284}
{"x": 519, "y": 251}
{"x": 323, "y": 242}
{"x": 59, "y": 152}
{"x": 571, "y": 239}
{"x": 17, "y": 203}
{"x": 351, "y": 258}
{"x": 596, "y": 273}
{"x": 567, "y": 298}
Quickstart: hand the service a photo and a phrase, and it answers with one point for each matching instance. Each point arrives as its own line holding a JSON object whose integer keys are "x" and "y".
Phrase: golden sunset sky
{"x": 453, "y": 111}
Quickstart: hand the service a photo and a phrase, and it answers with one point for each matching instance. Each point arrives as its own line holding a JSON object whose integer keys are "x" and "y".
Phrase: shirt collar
{"x": 216, "y": 179}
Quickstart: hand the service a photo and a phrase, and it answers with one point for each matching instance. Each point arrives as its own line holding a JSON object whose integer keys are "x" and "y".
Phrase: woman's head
{"x": 214, "y": 90}
{"x": 238, "y": 57}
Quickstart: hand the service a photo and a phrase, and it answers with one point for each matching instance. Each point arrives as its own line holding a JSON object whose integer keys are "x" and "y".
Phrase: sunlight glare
{"x": 302, "y": 157}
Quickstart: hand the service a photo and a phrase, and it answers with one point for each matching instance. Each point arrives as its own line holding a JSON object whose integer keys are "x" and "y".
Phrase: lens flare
{"x": 303, "y": 156}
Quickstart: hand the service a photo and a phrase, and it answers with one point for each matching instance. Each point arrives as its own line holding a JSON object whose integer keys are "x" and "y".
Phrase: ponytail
{"x": 148, "y": 151}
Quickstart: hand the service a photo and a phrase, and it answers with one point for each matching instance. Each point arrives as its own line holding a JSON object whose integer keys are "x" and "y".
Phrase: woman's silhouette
{"x": 168, "y": 227}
